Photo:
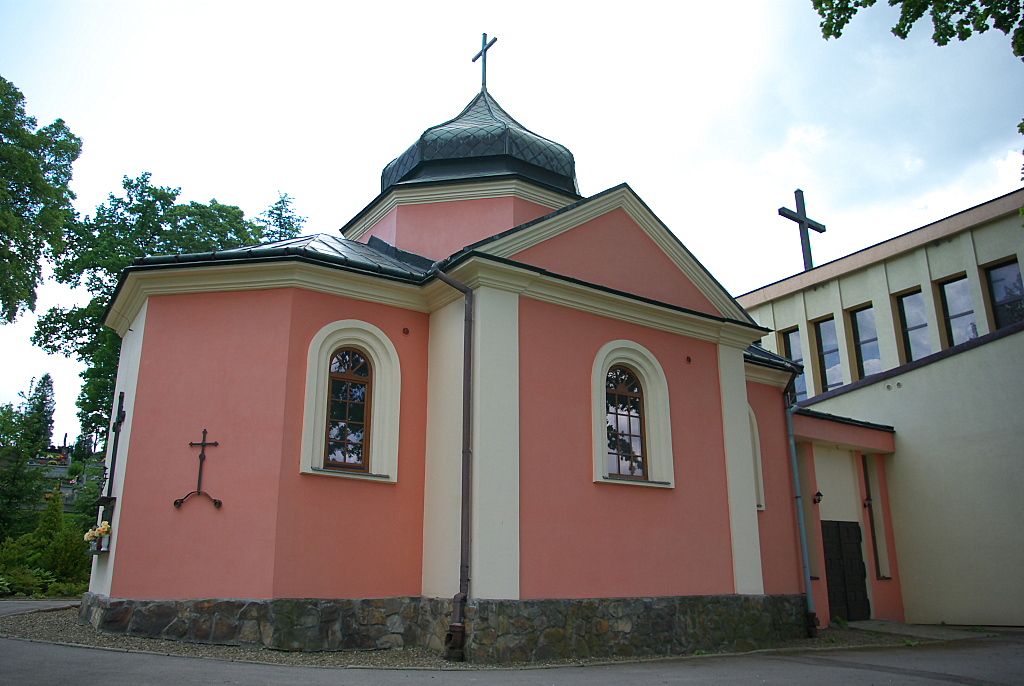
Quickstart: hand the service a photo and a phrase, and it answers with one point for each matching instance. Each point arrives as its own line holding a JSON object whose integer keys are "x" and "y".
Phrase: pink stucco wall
{"x": 777, "y": 523}
{"x": 887, "y": 594}
{"x": 583, "y": 539}
{"x": 439, "y": 229}
{"x": 611, "y": 250}
{"x": 235, "y": 363}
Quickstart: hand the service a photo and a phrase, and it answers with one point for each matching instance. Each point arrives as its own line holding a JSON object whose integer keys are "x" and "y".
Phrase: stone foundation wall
{"x": 533, "y": 630}
{"x": 285, "y": 624}
{"x": 496, "y": 630}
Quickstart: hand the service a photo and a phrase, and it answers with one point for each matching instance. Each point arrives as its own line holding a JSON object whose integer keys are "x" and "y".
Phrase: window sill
{"x": 360, "y": 476}
{"x": 635, "y": 482}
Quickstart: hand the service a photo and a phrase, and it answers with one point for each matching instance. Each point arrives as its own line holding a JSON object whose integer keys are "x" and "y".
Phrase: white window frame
{"x": 385, "y": 392}
{"x": 657, "y": 415}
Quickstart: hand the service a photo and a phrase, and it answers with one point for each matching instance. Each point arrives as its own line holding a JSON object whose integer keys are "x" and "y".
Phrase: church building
{"x": 491, "y": 417}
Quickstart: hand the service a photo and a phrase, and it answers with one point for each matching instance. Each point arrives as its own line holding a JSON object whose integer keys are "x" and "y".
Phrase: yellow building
{"x": 923, "y": 333}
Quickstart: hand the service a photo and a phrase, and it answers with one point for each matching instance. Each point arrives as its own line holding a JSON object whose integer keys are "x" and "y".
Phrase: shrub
{"x": 28, "y": 582}
{"x": 64, "y": 589}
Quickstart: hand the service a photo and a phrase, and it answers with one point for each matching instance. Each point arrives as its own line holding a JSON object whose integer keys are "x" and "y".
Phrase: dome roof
{"x": 483, "y": 140}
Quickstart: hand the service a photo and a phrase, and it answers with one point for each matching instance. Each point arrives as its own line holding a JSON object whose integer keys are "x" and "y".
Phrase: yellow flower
{"x": 90, "y": 535}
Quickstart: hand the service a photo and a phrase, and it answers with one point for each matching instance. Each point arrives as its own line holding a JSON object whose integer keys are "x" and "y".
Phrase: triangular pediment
{"x": 614, "y": 240}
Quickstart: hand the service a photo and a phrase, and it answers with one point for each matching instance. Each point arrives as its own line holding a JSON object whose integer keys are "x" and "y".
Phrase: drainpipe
{"x": 455, "y": 639}
{"x": 811, "y": 617}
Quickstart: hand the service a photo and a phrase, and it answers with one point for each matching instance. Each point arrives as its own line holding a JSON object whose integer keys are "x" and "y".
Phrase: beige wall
{"x": 955, "y": 481}
{"x": 965, "y": 253}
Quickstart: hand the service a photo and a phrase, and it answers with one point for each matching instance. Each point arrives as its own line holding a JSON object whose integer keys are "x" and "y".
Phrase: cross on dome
{"x": 484, "y": 47}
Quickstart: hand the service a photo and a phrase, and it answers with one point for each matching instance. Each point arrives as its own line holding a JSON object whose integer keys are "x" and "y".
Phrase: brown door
{"x": 845, "y": 572}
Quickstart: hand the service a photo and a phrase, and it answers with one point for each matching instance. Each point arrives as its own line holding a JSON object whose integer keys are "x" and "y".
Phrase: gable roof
{"x": 518, "y": 238}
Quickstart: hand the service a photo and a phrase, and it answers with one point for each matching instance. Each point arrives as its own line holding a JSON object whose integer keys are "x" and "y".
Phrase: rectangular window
{"x": 865, "y": 337}
{"x": 914, "y": 325}
{"x": 829, "y": 369}
{"x": 958, "y": 311}
{"x": 792, "y": 349}
{"x": 1007, "y": 293}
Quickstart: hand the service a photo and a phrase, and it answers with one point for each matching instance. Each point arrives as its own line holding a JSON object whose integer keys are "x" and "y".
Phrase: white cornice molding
{"x": 550, "y": 289}
{"x": 623, "y": 198}
{"x": 140, "y": 285}
{"x": 766, "y": 375}
{"x": 477, "y": 272}
{"x": 418, "y": 195}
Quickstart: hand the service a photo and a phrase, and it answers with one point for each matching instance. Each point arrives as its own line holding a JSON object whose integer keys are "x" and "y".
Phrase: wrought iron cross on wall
{"x": 202, "y": 445}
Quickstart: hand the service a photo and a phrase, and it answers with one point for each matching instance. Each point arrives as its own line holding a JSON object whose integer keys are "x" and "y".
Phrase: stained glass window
{"x": 627, "y": 453}
{"x": 348, "y": 411}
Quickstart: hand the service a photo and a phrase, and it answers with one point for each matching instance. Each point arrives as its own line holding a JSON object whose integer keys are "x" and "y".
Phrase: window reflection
{"x": 829, "y": 367}
{"x": 793, "y": 349}
{"x": 1007, "y": 293}
{"x": 865, "y": 336}
{"x": 347, "y": 411}
{"x": 914, "y": 324}
{"x": 624, "y": 405}
{"x": 958, "y": 311}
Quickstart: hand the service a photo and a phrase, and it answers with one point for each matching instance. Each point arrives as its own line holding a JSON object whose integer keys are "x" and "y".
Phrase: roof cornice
{"x": 418, "y": 194}
{"x": 482, "y": 270}
{"x": 140, "y": 283}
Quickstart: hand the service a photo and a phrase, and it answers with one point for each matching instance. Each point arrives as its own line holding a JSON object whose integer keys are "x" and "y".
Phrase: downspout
{"x": 455, "y": 639}
{"x": 811, "y": 617}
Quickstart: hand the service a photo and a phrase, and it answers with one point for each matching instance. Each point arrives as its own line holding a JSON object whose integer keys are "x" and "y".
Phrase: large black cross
{"x": 800, "y": 217}
{"x": 202, "y": 445}
{"x": 484, "y": 47}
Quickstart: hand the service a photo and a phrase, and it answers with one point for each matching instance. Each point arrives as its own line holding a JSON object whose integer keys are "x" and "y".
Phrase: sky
{"x": 714, "y": 118}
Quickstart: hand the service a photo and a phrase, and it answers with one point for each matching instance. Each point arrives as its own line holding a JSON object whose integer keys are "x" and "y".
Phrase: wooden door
{"x": 845, "y": 573}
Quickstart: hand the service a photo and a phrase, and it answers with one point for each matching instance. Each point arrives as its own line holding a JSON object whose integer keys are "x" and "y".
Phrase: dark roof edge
{"x": 466, "y": 256}
{"x": 815, "y": 414}
{"x": 584, "y": 201}
{"x": 293, "y": 257}
{"x": 533, "y": 222}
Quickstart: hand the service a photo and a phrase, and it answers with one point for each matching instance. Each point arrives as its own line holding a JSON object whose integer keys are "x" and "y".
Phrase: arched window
{"x": 348, "y": 411}
{"x": 632, "y": 439}
{"x": 350, "y": 423}
{"x": 624, "y": 419}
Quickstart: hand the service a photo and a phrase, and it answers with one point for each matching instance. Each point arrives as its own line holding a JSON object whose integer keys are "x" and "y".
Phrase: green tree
{"x": 146, "y": 220}
{"x": 280, "y": 221}
{"x": 63, "y": 550}
{"x": 25, "y": 433}
{"x": 958, "y": 19}
{"x": 35, "y": 201}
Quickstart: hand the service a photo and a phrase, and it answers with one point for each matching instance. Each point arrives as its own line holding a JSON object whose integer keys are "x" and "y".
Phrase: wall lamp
{"x": 817, "y": 497}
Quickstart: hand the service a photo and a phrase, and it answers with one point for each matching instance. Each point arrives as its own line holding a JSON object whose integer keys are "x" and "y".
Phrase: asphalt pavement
{"x": 994, "y": 659}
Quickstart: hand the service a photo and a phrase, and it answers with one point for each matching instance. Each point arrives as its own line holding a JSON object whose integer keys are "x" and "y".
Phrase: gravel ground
{"x": 61, "y": 626}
